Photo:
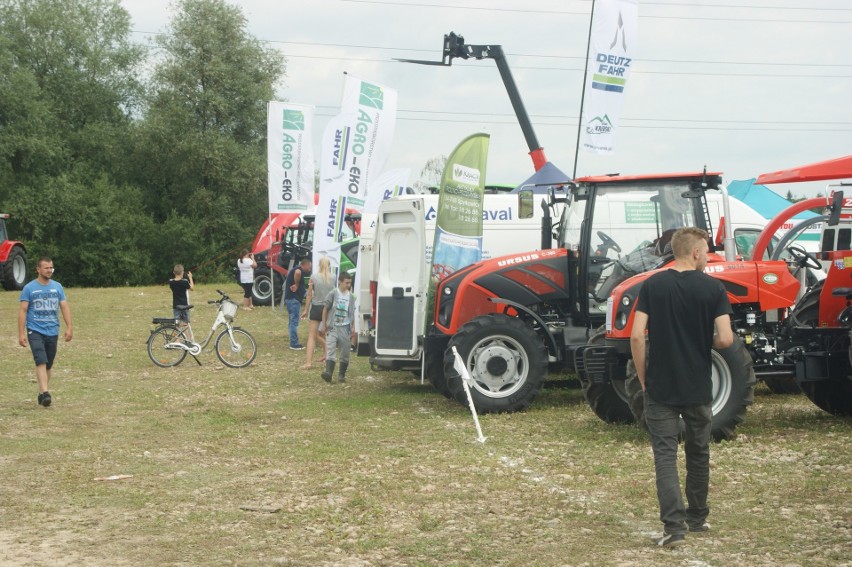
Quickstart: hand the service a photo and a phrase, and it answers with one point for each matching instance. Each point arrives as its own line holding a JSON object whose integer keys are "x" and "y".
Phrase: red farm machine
{"x": 13, "y": 259}
{"x": 513, "y": 319}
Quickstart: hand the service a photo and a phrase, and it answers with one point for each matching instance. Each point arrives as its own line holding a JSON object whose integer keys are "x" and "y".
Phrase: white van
{"x": 389, "y": 247}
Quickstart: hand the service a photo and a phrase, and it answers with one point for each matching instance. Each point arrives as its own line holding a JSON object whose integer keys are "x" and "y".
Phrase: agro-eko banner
{"x": 613, "y": 43}
{"x": 458, "y": 225}
{"x": 290, "y": 157}
{"x": 355, "y": 146}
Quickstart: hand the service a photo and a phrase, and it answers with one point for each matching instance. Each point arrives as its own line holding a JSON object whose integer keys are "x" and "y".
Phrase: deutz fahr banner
{"x": 613, "y": 42}
{"x": 458, "y": 226}
{"x": 290, "y": 157}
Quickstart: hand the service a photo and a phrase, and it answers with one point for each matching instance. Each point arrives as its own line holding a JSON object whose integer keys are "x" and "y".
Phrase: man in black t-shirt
{"x": 680, "y": 308}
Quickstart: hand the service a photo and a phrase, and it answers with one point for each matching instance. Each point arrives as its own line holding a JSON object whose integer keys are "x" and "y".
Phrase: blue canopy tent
{"x": 542, "y": 180}
{"x": 768, "y": 203}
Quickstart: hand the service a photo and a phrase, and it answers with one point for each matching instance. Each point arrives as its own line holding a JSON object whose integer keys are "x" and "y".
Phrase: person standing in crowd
{"x": 38, "y": 323}
{"x": 681, "y": 308}
{"x": 180, "y": 296}
{"x": 247, "y": 265}
{"x": 338, "y": 314}
{"x": 322, "y": 283}
{"x": 294, "y": 292}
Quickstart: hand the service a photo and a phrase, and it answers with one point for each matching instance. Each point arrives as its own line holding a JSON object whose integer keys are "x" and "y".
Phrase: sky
{"x": 739, "y": 86}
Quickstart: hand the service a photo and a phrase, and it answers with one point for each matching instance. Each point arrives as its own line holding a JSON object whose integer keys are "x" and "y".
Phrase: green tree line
{"x": 119, "y": 160}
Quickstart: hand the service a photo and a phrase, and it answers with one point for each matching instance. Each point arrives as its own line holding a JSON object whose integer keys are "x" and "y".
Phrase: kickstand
{"x": 196, "y": 359}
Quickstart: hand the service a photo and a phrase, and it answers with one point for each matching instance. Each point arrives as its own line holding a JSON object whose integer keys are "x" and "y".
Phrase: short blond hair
{"x": 686, "y": 239}
{"x": 178, "y": 269}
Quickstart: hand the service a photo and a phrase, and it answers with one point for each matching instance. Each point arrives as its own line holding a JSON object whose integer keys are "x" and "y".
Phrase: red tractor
{"x": 514, "y": 319}
{"x": 791, "y": 334}
{"x": 13, "y": 259}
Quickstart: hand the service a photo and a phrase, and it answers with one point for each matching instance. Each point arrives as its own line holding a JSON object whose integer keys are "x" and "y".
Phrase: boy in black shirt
{"x": 180, "y": 287}
{"x": 680, "y": 307}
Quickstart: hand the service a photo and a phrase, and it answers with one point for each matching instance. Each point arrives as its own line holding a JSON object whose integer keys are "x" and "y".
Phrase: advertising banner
{"x": 290, "y": 157}
{"x": 612, "y": 44}
{"x": 355, "y": 147}
{"x": 458, "y": 226}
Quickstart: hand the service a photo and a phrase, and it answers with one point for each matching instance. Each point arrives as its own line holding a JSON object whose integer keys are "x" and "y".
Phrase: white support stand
{"x": 465, "y": 376}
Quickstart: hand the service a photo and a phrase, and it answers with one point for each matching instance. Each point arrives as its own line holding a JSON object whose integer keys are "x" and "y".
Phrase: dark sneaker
{"x": 326, "y": 376}
{"x": 40, "y": 398}
{"x": 671, "y": 540}
{"x": 705, "y": 527}
{"x": 341, "y": 379}
{"x": 44, "y": 399}
{"x": 297, "y": 347}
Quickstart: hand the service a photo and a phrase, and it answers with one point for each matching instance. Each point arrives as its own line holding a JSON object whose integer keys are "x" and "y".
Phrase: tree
{"x": 202, "y": 145}
{"x": 430, "y": 175}
{"x": 67, "y": 92}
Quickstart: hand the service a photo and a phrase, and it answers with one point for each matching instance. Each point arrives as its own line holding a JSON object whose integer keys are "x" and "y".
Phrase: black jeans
{"x": 664, "y": 425}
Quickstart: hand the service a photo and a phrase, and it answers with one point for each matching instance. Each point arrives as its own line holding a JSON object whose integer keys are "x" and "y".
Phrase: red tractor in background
{"x": 789, "y": 333}
{"x": 13, "y": 259}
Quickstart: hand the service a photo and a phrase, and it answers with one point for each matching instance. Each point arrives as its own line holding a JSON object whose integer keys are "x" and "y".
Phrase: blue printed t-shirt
{"x": 43, "y": 312}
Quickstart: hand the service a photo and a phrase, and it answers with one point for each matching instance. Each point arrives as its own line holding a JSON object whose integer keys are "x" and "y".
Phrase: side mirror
{"x": 526, "y": 203}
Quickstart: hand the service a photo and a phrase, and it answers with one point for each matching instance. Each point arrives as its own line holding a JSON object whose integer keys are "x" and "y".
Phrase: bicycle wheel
{"x": 161, "y": 354}
{"x": 237, "y": 353}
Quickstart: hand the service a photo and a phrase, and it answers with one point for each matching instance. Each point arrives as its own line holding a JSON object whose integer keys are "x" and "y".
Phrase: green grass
{"x": 381, "y": 471}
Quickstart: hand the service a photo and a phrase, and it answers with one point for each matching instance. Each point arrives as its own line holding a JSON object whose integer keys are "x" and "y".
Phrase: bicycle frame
{"x": 195, "y": 348}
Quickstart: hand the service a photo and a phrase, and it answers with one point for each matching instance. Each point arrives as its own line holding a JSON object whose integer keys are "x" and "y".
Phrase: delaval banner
{"x": 290, "y": 157}
{"x": 613, "y": 42}
{"x": 355, "y": 147}
{"x": 458, "y": 226}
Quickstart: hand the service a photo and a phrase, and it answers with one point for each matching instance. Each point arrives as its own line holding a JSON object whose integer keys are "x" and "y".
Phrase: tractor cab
{"x": 618, "y": 226}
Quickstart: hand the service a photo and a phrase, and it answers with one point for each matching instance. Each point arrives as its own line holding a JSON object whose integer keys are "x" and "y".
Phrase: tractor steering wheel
{"x": 803, "y": 258}
{"x": 607, "y": 242}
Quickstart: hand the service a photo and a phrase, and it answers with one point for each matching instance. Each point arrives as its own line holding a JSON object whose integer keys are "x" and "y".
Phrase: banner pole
{"x": 583, "y": 92}
{"x": 271, "y": 271}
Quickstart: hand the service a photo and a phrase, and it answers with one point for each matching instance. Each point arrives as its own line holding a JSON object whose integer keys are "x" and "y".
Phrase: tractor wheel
{"x": 261, "y": 290}
{"x": 733, "y": 390}
{"x": 15, "y": 269}
{"x": 609, "y": 401}
{"x": 782, "y": 385}
{"x": 435, "y": 373}
{"x": 833, "y": 396}
{"x": 506, "y": 360}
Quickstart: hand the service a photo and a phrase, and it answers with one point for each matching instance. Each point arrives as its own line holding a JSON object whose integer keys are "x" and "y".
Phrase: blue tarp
{"x": 762, "y": 199}
{"x": 543, "y": 179}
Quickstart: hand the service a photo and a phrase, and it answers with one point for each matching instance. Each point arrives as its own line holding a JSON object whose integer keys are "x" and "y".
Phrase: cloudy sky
{"x": 741, "y": 86}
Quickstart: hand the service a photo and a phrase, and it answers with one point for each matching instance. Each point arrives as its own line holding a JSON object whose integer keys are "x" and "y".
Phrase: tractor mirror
{"x": 526, "y": 204}
{"x": 836, "y": 208}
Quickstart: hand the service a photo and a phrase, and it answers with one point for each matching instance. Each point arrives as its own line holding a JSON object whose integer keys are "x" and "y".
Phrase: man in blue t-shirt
{"x": 38, "y": 323}
{"x": 687, "y": 314}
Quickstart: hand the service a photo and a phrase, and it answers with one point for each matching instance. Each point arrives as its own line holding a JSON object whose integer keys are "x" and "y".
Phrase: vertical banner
{"x": 290, "y": 157}
{"x": 458, "y": 225}
{"x": 355, "y": 147}
{"x": 613, "y": 42}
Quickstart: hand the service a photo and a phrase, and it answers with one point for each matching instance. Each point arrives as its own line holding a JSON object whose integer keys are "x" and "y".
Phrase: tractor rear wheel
{"x": 435, "y": 374}
{"x": 506, "y": 359}
{"x": 15, "y": 269}
{"x": 833, "y": 396}
{"x": 261, "y": 290}
{"x": 733, "y": 390}
{"x": 608, "y": 400}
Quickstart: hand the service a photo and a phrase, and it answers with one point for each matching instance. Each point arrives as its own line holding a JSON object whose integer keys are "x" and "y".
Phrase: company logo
{"x": 770, "y": 279}
{"x": 431, "y": 213}
{"x": 293, "y": 120}
{"x": 464, "y": 174}
{"x": 599, "y": 125}
{"x": 372, "y": 96}
{"x": 619, "y": 30}
{"x": 517, "y": 260}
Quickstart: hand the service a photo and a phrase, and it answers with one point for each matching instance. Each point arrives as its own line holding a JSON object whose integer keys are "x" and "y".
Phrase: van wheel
{"x": 733, "y": 390}
{"x": 506, "y": 359}
{"x": 609, "y": 400}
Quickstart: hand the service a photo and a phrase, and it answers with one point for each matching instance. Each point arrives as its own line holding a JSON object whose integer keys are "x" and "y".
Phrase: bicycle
{"x": 171, "y": 340}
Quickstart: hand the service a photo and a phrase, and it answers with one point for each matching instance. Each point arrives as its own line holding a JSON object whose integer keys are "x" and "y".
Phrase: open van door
{"x": 401, "y": 278}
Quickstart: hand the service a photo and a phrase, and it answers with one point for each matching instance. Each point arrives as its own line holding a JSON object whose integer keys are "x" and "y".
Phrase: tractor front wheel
{"x": 608, "y": 400}
{"x": 15, "y": 269}
{"x": 506, "y": 359}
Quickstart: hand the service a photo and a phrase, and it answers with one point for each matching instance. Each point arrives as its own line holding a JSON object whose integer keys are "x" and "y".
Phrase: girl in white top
{"x": 246, "y": 264}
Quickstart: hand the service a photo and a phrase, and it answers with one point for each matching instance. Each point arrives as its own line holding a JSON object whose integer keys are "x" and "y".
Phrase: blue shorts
{"x": 43, "y": 347}
{"x": 181, "y": 315}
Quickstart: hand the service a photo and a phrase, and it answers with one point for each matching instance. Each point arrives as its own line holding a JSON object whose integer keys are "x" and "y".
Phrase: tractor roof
{"x": 712, "y": 178}
{"x": 839, "y": 168}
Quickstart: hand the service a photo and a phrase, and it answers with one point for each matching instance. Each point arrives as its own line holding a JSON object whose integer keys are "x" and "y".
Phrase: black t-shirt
{"x": 291, "y": 279}
{"x": 682, "y": 308}
{"x": 179, "y": 289}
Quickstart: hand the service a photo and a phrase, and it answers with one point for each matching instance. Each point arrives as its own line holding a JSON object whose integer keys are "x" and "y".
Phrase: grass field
{"x": 270, "y": 465}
